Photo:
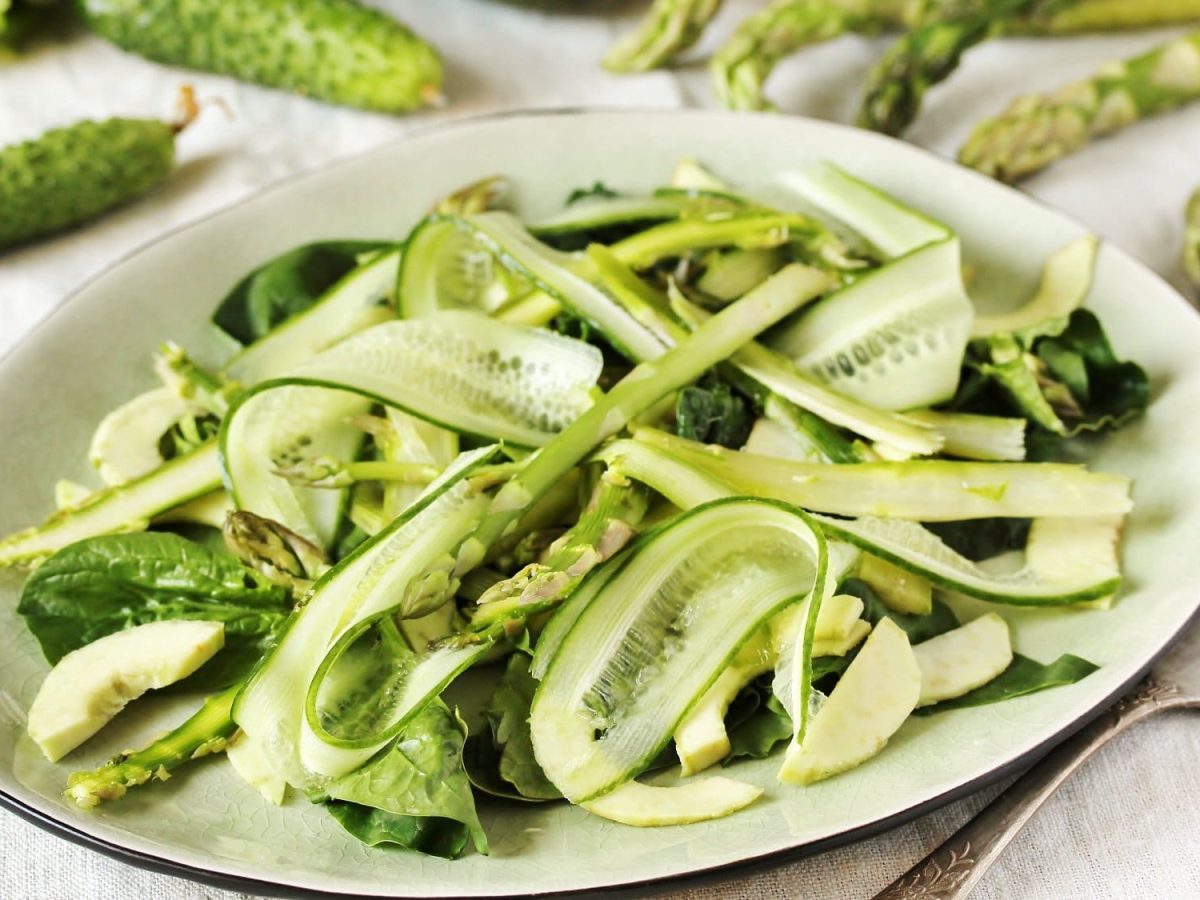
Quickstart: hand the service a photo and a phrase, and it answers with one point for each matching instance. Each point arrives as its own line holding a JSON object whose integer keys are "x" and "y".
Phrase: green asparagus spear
{"x": 204, "y": 733}
{"x": 605, "y": 526}
{"x": 334, "y": 50}
{"x": 1037, "y": 130}
{"x": 932, "y": 50}
{"x": 738, "y": 323}
{"x": 70, "y": 175}
{"x": 743, "y": 64}
{"x": 668, "y": 29}
{"x": 270, "y": 549}
{"x": 1191, "y": 241}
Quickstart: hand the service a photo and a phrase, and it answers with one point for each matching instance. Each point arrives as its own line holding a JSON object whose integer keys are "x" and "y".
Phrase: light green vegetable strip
{"x": 126, "y": 507}
{"x": 669, "y": 28}
{"x": 1191, "y": 241}
{"x": 203, "y": 733}
{"x": 1066, "y": 280}
{"x": 990, "y": 438}
{"x": 923, "y": 490}
{"x": 1037, "y": 130}
{"x": 327, "y": 472}
{"x": 712, "y": 342}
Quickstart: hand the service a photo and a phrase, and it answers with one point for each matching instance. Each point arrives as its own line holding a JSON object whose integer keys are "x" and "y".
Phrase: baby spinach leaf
{"x": 508, "y": 714}
{"x": 761, "y": 733}
{"x": 112, "y": 582}
{"x": 710, "y": 412}
{"x": 1023, "y": 676}
{"x": 286, "y": 285}
{"x": 425, "y": 834}
{"x": 980, "y": 539}
{"x": 598, "y": 190}
{"x": 420, "y": 775}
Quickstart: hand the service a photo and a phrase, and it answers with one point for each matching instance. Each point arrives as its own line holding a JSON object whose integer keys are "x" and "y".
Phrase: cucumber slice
{"x": 125, "y": 444}
{"x": 872, "y": 699}
{"x": 550, "y": 640}
{"x": 254, "y": 767}
{"x": 564, "y": 277}
{"x": 1068, "y": 559}
{"x": 454, "y": 368}
{"x": 644, "y": 805}
{"x": 922, "y": 490}
{"x": 1066, "y": 280}
{"x": 898, "y": 588}
{"x": 961, "y": 660}
{"x": 403, "y": 562}
{"x": 126, "y": 507}
{"x": 894, "y": 338}
{"x": 659, "y": 633}
{"x": 701, "y": 739}
{"x": 357, "y": 301}
{"x": 445, "y": 268}
{"x": 893, "y": 228}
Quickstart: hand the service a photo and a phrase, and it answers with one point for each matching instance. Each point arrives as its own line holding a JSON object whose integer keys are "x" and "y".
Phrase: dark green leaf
{"x": 508, "y": 714}
{"x": 598, "y": 189}
{"x": 421, "y": 774}
{"x": 109, "y": 583}
{"x": 285, "y": 286}
{"x": 426, "y": 834}
{"x": 710, "y": 412}
{"x": 766, "y": 728}
{"x": 1023, "y": 676}
{"x": 980, "y": 539}
{"x": 918, "y": 628}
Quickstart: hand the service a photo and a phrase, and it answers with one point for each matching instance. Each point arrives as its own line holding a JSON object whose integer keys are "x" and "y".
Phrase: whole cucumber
{"x": 334, "y": 50}
{"x": 72, "y": 174}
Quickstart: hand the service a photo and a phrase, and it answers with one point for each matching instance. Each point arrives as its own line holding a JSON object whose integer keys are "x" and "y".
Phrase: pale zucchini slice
{"x": 125, "y": 507}
{"x": 954, "y": 663}
{"x": 878, "y": 691}
{"x": 1066, "y": 280}
{"x": 659, "y": 633}
{"x": 838, "y": 617}
{"x": 357, "y": 301}
{"x": 645, "y": 805}
{"x": 89, "y": 686}
{"x": 125, "y": 444}
{"x": 840, "y": 646}
{"x": 701, "y": 739}
{"x": 900, "y": 589}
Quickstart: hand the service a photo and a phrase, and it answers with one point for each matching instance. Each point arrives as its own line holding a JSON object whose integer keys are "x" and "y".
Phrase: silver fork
{"x": 952, "y": 870}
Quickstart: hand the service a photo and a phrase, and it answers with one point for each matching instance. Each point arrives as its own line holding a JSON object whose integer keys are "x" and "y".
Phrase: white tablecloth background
{"x": 1126, "y": 826}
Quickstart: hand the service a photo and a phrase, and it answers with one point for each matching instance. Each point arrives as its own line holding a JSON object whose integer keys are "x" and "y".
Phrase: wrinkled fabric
{"x": 1126, "y": 826}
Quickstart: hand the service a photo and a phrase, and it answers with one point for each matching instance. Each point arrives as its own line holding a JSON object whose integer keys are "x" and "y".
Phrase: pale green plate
{"x": 94, "y": 352}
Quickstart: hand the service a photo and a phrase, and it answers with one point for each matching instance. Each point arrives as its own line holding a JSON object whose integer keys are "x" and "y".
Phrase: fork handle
{"x": 955, "y": 867}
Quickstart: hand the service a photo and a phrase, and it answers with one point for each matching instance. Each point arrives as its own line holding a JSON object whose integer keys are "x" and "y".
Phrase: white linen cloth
{"x": 1125, "y": 827}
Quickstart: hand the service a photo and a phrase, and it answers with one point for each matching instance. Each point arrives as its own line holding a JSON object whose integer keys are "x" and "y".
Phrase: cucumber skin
{"x": 333, "y": 50}
{"x": 72, "y": 174}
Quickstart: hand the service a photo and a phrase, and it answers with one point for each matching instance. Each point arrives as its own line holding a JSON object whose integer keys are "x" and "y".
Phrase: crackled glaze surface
{"x": 60, "y": 381}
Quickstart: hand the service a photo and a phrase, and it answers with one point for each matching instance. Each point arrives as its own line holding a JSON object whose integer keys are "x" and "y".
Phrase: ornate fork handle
{"x": 954, "y": 868}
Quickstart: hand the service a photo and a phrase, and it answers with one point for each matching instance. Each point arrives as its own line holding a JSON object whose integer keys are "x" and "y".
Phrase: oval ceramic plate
{"x": 210, "y": 825}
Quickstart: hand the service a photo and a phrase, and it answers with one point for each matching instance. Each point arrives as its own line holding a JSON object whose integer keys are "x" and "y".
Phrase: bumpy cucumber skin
{"x": 333, "y": 50}
{"x": 70, "y": 175}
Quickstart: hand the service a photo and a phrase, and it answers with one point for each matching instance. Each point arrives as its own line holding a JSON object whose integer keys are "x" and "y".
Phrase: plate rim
{"x": 160, "y": 864}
